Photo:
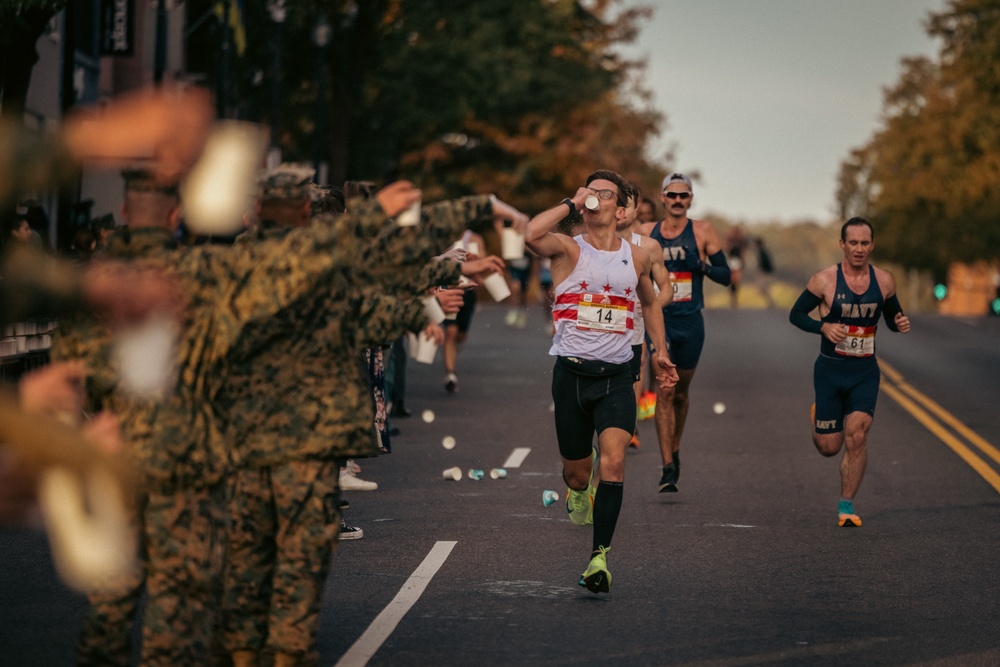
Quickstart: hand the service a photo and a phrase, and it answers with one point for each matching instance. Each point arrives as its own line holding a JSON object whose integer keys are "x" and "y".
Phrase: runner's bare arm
{"x": 542, "y": 238}
{"x": 666, "y": 374}
{"x": 658, "y": 272}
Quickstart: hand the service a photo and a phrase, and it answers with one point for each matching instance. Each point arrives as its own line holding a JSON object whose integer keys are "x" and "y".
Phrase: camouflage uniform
{"x": 178, "y": 443}
{"x": 298, "y": 404}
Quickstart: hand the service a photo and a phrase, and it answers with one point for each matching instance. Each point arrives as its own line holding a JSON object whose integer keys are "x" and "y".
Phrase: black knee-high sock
{"x": 607, "y": 506}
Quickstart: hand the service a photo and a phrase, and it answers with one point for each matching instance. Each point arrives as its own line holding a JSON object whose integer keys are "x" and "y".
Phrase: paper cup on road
{"x": 496, "y": 285}
{"x": 498, "y": 473}
{"x": 476, "y": 474}
{"x": 511, "y": 244}
{"x": 422, "y": 348}
{"x": 549, "y": 498}
{"x": 433, "y": 310}
{"x": 454, "y": 473}
{"x": 410, "y": 217}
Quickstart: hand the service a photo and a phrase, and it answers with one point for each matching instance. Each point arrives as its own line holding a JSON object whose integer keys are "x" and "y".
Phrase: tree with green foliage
{"x": 516, "y": 96}
{"x": 930, "y": 177}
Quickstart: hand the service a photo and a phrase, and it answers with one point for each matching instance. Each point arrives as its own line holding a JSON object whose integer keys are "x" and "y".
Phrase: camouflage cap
{"x": 287, "y": 181}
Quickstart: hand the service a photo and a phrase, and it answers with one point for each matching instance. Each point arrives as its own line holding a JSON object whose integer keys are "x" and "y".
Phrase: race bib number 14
{"x": 595, "y": 313}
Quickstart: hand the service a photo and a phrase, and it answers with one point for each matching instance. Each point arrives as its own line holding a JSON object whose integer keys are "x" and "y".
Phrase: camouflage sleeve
{"x": 268, "y": 277}
{"x": 81, "y": 337}
{"x": 454, "y": 216}
{"x": 443, "y": 272}
{"x": 384, "y": 318}
{"x": 416, "y": 280}
{"x": 442, "y": 224}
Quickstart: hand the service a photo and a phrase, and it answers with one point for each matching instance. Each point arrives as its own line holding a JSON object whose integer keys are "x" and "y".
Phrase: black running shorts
{"x": 590, "y": 396}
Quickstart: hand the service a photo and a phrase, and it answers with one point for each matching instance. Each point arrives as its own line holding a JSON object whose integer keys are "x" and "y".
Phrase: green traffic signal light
{"x": 995, "y": 306}
{"x": 940, "y": 291}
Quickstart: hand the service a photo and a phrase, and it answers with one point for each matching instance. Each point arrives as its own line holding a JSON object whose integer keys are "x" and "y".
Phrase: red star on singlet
{"x": 628, "y": 291}
{"x": 583, "y": 285}
{"x": 607, "y": 288}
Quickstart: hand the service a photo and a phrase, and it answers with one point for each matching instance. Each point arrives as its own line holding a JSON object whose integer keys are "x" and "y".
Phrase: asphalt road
{"x": 744, "y": 566}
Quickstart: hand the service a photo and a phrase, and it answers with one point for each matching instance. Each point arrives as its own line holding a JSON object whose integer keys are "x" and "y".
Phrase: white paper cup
{"x": 511, "y": 244}
{"x": 219, "y": 188}
{"x": 473, "y": 247}
{"x": 433, "y": 310}
{"x": 422, "y": 348}
{"x": 454, "y": 473}
{"x": 498, "y": 473}
{"x": 410, "y": 217}
{"x": 496, "y": 285}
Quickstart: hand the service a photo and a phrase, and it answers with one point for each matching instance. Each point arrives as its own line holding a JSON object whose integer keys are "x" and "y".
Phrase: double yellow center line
{"x": 936, "y": 419}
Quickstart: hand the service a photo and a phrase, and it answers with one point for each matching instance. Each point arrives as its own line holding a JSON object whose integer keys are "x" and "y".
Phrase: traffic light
{"x": 995, "y": 306}
{"x": 940, "y": 291}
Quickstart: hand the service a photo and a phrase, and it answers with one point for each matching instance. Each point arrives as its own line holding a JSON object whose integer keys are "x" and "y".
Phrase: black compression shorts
{"x": 590, "y": 396}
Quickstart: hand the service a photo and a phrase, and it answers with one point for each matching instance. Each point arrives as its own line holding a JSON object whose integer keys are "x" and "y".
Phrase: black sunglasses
{"x": 677, "y": 195}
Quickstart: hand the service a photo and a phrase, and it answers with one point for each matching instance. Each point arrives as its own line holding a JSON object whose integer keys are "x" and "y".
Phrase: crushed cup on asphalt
{"x": 549, "y": 497}
{"x": 427, "y": 416}
{"x": 454, "y": 473}
{"x": 448, "y": 442}
{"x": 498, "y": 473}
{"x": 476, "y": 473}
{"x": 496, "y": 285}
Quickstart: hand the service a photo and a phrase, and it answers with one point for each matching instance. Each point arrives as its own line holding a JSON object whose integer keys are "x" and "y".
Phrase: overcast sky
{"x": 766, "y": 97}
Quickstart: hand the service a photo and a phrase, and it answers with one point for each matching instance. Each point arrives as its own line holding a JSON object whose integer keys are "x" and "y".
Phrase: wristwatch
{"x": 572, "y": 206}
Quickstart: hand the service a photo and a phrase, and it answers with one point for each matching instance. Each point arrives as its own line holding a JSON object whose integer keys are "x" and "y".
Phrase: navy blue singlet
{"x": 688, "y": 294}
{"x": 860, "y": 312}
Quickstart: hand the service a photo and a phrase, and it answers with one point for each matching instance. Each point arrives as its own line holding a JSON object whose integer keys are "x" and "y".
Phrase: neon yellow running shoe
{"x": 596, "y": 577}
{"x": 579, "y": 506}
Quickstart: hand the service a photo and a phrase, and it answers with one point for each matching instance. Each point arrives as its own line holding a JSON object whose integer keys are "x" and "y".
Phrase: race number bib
{"x": 682, "y": 285}
{"x": 860, "y": 342}
{"x": 597, "y": 313}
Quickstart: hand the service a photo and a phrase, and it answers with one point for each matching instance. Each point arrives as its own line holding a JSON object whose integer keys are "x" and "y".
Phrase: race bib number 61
{"x": 860, "y": 342}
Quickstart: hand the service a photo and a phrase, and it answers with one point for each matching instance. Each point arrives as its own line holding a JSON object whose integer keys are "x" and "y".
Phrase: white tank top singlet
{"x": 639, "y": 332}
{"x": 594, "y": 307}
